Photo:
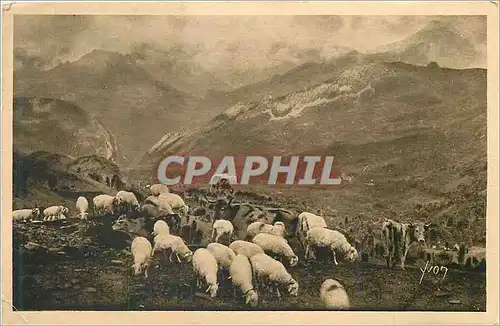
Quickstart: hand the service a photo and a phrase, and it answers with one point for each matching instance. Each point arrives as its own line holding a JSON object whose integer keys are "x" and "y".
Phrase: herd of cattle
{"x": 245, "y": 243}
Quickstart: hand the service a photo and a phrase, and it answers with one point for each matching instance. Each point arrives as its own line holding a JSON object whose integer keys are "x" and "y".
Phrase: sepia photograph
{"x": 249, "y": 162}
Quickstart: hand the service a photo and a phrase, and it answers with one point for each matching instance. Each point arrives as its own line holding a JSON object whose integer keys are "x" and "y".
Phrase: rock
{"x": 61, "y": 253}
{"x": 454, "y": 301}
{"x": 76, "y": 287}
{"x": 91, "y": 290}
{"x": 74, "y": 281}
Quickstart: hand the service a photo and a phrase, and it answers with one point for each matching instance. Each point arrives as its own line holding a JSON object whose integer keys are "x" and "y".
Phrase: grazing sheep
{"x": 126, "y": 201}
{"x": 54, "y": 212}
{"x": 223, "y": 254}
{"x": 104, "y": 204}
{"x": 164, "y": 242}
{"x": 82, "y": 205}
{"x": 205, "y": 268}
{"x": 245, "y": 248}
{"x": 260, "y": 227}
{"x": 141, "y": 251}
{"x": 268, "y": 270}
{"x": 160, "y": 202}
{"x": 276, "y": 246}
{"x": 158, "y": 189}
{"x": 25, "y": 214}
{"x": 307, "y": 221}
{"x": 334, "y": 240}
{"x": 241, "y": 275}
{"x": 176, "y": 202}
{"x": 221, "y": 227}
{"x": 333, "y": 295}
{"x": 160, "y": 227}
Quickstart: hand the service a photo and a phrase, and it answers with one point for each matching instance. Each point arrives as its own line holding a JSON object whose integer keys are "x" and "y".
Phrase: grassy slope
{"x": 419, "y": 136}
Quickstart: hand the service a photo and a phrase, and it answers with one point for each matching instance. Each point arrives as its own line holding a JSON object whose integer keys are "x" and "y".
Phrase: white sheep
{"x": 176, "y": 202}
{"x": 54, "y": 212}
{"x": 161, "y": 203}
{"x": 241, "y": 275}
{"x": 221, "y": 227}
{"x": 126, "y": 199}
{"x": 103, "y": 204}
{"x": 260, "y": 227}
{"x": 268, "y": 270}
{"x": 160, "y": 227}
{"x": 223, "y": 254}
{"x": 206, "y": 268}
{"x": 82, "y": 205}
{"x": 142, "y": 253}
{"x": 245, "y": 248}
{"x": 307, "y": 221}
{"x": 164, "y": 242}
{"x": 276, "y": 246}
{"x": 25, "y": 214}
{"x": 334, "y": 240}
{"x": 158, "y": 189}
{"x": 333, "y": 295}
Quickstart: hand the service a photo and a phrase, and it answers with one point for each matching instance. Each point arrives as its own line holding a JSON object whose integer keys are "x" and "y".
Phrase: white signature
{"x": 434, "y": 269}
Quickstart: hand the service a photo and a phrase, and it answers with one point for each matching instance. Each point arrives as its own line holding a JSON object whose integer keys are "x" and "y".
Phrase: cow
{"x": 398, "y": 237}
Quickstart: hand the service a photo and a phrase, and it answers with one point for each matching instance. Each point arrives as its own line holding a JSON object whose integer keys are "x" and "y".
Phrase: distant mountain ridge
{"x": 438, "y": 41}
{"x": 111, "y": 87}
{"x": 139, "y": 97}
{"x": 60, "y": 127}
{"x": 358, "y": 102}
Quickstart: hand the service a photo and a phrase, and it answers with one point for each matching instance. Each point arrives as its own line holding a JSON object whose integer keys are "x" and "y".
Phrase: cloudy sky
{"x": 215, "y": 41}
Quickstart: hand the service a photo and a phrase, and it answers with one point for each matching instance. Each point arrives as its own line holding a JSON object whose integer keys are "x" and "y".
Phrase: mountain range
{"x": 144, "y": 98}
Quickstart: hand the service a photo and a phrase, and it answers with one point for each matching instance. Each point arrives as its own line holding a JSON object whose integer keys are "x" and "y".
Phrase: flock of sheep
{"x": 258, "y": 262}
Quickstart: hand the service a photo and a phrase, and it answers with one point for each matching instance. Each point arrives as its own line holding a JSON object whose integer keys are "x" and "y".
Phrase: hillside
{"x": 383, "y": 100}
{"x": 42, "y": 179}
{"x": 59, "y": 127}
{"x": 113, "y": 88}
{"x": 407, "y": 134}
{"x": 291, "y": 79}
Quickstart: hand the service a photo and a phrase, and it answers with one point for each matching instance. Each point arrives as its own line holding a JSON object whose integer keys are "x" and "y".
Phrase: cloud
{"x": 219, "y": 43}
